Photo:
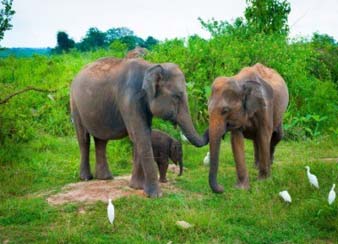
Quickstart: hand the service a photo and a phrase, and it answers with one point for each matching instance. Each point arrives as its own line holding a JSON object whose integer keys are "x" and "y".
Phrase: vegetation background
{"x": 36, "y": 126}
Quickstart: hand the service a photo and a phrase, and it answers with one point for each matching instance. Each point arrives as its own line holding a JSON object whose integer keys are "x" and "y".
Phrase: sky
{"x": 36, "y": 22}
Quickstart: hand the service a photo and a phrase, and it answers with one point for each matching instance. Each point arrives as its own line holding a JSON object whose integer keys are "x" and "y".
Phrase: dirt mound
{"x": 99, "y": 190}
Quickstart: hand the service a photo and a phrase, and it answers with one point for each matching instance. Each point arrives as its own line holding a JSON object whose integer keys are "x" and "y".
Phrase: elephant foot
{"x": 152, "y": 190}
{"x": 86, "y": 176}
{"x": 243, "y": 185}
{"x": 136, "y": 184}
{"x": 103, "y": 175}
{"x": 85, "y": 173}
{"x": 263, "y": 175}
{"x": 163, "y": 180}
{"x": 217, "y": 188}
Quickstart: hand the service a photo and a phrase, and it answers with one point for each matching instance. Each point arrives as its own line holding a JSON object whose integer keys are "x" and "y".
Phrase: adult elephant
{"x": 249, "y": 105}
{"x": 113, "y": 98}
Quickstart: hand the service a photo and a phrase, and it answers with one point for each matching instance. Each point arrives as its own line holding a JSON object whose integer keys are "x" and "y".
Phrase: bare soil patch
{"x": 100, "y": 190}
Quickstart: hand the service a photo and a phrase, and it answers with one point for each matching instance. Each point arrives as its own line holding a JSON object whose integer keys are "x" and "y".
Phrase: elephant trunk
{"x": 188, "y": 129}
{"x": 216, "y": 131}
{"x": 180, "y": 163}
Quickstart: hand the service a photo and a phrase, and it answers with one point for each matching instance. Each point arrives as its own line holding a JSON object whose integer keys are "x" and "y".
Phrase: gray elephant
{"x": 114, "y": 98}
{"x": 165, "y": 147}
{"x": 250, "y": 105}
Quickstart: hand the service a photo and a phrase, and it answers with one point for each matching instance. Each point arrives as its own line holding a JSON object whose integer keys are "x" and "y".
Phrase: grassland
{"x": 31, "y": 171}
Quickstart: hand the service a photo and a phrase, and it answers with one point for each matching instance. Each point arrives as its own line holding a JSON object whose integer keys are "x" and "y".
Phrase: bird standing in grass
{"x": 110, "y": 211}
{"x": 183, "y": 138}
{"x": 312, "y": 178}
{"x": 332, "y": 195}
{"x": 206, "y": 160}
{"x": 286, "y": 196}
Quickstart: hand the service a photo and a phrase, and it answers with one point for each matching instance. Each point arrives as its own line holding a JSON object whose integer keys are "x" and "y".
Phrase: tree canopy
{"x": 261, "y": 16}
{"x": 95, "y": 39}
{"x": 268, "y": 16}
{"x": 64, "y": 43}
{"x": 6, "y": 13}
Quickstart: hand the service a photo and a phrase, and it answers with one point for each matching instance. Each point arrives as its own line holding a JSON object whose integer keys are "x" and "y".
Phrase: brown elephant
{"x": 113, "y": 98}
{"x": 164, "y": 148}
{"x": 249, "y": 105}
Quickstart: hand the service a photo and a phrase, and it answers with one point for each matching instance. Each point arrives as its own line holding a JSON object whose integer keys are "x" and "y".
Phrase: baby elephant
{"x": 165, "y": 147}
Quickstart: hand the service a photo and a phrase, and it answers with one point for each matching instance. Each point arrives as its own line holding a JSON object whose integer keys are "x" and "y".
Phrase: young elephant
{"x": 165, "y": 147}
{"x": 250, "y": 105}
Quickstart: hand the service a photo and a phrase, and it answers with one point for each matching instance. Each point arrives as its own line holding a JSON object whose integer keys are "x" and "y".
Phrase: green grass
{"x": 29, "y": 171}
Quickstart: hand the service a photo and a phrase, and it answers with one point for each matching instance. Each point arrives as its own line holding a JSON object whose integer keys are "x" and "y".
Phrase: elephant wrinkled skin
{"x": 114, "y": 98}
{"x": 249, "y": 105}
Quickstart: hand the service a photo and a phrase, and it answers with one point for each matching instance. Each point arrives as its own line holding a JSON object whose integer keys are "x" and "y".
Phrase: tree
{"x": 132, "y": 41}
{"x": 325, "y": 66}
{"x": 64, "y": 43}
{"x": 6, "y": 14}
{"x": 150, "y": 42}
{"x": 215, "y": 27}
{"x": 268, "y": 16}
{"x": 94, "y": 39}
{"x": 117, "y": 33}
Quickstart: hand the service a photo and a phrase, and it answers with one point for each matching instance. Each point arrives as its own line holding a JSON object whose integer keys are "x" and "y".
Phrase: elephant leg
{"x": 137, "y": 178}
{"x": 163, "y": 167}
{"x": 102, "y": 168}
{"x": 263, "y": 142}
{"x": 237, "y": 144}
{"x": 256, "y": 153}
{"x": 277, "y": 136}
{"x": 144, "y": 173}
{"x": 84, "y": 143}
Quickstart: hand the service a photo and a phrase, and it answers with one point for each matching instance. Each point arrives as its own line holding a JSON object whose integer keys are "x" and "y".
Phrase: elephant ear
{"x": 256, "y": 95}
{"x": 151, "y": 81}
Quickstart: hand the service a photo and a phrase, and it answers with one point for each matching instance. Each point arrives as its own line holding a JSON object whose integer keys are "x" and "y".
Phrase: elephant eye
{"x": 225, "y": 110}
{"x": 178, "y": 96}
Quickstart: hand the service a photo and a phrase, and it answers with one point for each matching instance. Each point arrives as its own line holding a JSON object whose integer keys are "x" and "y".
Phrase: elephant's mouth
{"x": 231, "y": 126}
{"x": 171, "y": 117}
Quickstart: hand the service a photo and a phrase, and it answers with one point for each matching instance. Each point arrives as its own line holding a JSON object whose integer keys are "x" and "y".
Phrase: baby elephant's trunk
{"x": 180, "y": 163}
{"x": 176, "y": 154}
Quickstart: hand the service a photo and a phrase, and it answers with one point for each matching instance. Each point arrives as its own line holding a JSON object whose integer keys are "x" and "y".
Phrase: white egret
{"x": 183, "y": 137}
{"x": 332, "y": 195}
{"x": 206, "y": 160}
{"x": 110, "y": 211}
{"x": 312, "y": 178}
{"x": 286, "y": 196}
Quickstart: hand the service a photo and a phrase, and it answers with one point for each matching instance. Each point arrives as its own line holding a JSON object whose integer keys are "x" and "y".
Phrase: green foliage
{"x": 93, "y": 40}
{"x": 117, "y": 33}
{"x": 96, "y": 39}
{"x": 268, "y": 16}
{"x": 325, "y": 65}
{"x": 132, "y": 41}
{"x": 22, "y": 117}
{"x": 226, "y": 54}
{"x": 6, "y": 13}
{"x": 261, "y": 17}
{"x": 119, "y": 48}
{"x": 64, "y": 43}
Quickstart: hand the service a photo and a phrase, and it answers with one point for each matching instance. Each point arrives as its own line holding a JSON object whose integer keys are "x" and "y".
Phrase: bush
{"x": 225, "y": 55}
{"x": 312, "y": 111}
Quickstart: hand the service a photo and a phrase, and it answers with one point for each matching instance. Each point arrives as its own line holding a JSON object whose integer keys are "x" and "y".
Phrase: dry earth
{"x": 101, "y": 190}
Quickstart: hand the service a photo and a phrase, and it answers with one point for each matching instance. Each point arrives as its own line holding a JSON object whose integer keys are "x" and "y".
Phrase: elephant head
{"x": 235, "y": 104}
{"x": 165, "y": 89}
{"x": 176, "y": 154}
